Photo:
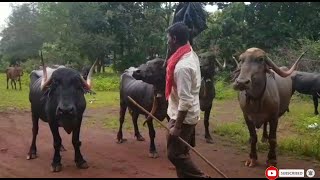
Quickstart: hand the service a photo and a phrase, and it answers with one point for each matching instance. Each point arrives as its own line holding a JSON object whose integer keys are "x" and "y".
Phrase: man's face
{"x": 171, "y": 43}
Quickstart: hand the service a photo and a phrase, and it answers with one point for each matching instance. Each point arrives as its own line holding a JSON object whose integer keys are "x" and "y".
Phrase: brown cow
{"x": 264, "y": 95}
{"x": 14, "y": 73}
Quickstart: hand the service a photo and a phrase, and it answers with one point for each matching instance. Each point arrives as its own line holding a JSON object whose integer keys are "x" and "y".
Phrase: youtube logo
{"x": 272, "y": 173}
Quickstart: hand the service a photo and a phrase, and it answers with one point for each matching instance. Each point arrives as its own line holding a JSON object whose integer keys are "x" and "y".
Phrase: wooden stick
{"x": 202, "y": 157}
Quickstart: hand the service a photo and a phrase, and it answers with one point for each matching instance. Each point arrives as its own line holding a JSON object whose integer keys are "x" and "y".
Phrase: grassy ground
{"x": 294, "y": 136}
{"x": 107, "y": 92}
{"x": 293, "y": 133}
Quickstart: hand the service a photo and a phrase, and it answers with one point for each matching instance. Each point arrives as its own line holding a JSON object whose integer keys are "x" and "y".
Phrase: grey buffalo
{"x": 264, "y": 95}
{"x": 307, "y": 83}
{"x": 145, "y": 94}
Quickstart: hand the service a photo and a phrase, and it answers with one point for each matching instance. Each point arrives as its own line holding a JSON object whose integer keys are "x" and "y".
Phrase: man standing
{"x": 183, "y": 80}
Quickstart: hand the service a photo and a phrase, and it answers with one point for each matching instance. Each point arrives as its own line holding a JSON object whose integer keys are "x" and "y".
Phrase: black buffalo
{"x": 208, "y": 64}
{"x": 154, "y": 72}
{"x": 144, "y": 94}
{"x": 57, "y": 97}
{"x": 307, "y": 83}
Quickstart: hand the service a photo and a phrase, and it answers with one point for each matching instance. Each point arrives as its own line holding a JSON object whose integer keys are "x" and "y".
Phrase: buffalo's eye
{"x": 260, "y": 60}
{"x": 149, "y": 71}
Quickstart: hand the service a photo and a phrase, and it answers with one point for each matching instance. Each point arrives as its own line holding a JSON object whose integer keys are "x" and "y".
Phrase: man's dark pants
{"x": 178, "y": 152}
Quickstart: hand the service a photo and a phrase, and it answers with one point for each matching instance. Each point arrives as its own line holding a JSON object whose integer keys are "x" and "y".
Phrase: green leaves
{"x": 79, "y": 33}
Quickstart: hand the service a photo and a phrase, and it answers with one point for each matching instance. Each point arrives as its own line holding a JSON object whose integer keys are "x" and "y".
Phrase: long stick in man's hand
{"x": 193, "y": 149}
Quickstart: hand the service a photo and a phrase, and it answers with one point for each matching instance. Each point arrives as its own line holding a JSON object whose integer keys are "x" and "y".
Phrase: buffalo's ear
{"x": 85, "y": 89}
{"x": 268, "y": 70}
{"x": 47, "y": 93}
{"x": 89, "y": 91}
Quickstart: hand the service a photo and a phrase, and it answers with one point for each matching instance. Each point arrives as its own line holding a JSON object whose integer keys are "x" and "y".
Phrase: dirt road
{"x": 106, "y": 158}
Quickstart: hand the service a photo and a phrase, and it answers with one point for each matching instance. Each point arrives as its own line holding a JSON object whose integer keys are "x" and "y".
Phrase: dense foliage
{"x": 126, "y": 34}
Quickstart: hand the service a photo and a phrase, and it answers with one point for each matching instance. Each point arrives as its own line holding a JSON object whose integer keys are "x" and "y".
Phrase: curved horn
{"x": 88, "y": 82}
{"x": 235, "y": 60}
{"x": 281, "y": 72}
{"x": 45, "y": 81}
{"x": 221, "y": 66}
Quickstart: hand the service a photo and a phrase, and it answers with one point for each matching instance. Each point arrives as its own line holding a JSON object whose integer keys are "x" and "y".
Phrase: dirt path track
{"x": 106, "y": 158}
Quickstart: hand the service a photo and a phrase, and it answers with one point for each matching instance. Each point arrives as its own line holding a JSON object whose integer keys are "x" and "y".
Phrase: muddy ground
{"x": 106, "y": 158}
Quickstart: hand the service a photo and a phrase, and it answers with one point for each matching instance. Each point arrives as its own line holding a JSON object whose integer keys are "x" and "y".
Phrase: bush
{"x": 106, "y": 82}
{"x": 224, "y": 91}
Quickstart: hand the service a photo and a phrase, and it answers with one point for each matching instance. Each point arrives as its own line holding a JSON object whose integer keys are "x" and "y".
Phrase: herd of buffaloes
{"x": 57, "y": 96}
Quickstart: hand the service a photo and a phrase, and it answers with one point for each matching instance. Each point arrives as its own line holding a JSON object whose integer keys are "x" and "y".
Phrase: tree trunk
{"x": 99, "y": 66}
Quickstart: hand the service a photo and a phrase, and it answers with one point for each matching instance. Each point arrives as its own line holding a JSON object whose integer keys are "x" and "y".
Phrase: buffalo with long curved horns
{"x": 264, "y": 95}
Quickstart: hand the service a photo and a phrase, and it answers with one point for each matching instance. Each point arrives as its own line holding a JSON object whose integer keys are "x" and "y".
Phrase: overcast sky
{"x": 5, "y": 11}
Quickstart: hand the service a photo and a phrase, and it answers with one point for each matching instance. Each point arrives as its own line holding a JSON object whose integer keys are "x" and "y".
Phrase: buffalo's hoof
{"x": 251, "y": 162}
{"x": 121, "y": 141}
{"x": 172, "y": 167}
{"x": 271, "y": 162}
{"x": 82, "y": 165}
{"x": 209, "y": 140}
{"x": 264, "y": 139}
{"x": 140, "y": 138}
{"x": 32, "y": 155}
{"x": 62, "y": 148}
{"x": 153, "y": 155}
{"x": 56, "y": 167}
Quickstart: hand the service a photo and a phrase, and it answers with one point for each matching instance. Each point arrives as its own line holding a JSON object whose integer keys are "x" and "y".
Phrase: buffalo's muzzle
{"x": 241, "y": 84}
{"x": 67, "y": 110}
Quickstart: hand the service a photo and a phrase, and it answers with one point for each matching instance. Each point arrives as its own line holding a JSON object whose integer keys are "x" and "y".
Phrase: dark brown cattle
{"x": 14, "y": 74}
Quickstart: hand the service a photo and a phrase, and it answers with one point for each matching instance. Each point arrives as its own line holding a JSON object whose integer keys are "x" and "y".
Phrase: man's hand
{"x": 175, "y": 131}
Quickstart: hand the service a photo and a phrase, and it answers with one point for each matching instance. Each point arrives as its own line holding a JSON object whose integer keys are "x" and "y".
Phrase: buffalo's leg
{"x": 253, "y": 141}
{"x": 56, "y": 165}
{"x": 62, "y": 148}
{"x": 15, "y": 84}
{"x": 35, "y": 128}
{"x": 78, "y": 159}
{"x": 12, "y": 83}
{"x": 206, "y": 125}
{"x": 123, "y": 109}
{"x": 315, "y": 103}
{"x": 152, "y": 134}
{"x": 137, "y": 134}
{"x": 20, "y": 83}
{"x": 7, "y": 82}
{"x": 272, "y": 157}
{"x": 265, "y": 136}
